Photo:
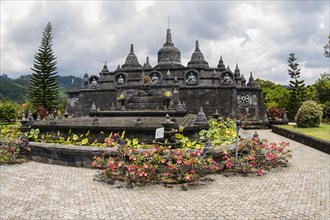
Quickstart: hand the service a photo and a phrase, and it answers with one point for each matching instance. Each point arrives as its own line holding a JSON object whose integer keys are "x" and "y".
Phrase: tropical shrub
{"x": 256, "y": 156}
{"x": 11, "y": 145}
{"x": 275, "y": 113}
{"x": 309, "y": 114}
{"x": 159, "y": 164}
{"x": 220, "y": 132}
{"x": 9, "y": 152}
{"x": 8, "y": 111}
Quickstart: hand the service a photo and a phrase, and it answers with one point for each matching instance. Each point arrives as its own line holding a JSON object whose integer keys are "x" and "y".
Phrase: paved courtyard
{"x": 42, "y": 191}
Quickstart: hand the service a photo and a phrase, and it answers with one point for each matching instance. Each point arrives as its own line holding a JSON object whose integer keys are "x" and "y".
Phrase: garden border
{"x": 313, "y": 142}
{"x": 82, "y": 156}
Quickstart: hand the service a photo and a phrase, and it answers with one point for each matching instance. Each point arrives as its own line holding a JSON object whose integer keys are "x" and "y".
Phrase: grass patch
{"x": 322, "y": 132}
{"x": 11, "y": 124}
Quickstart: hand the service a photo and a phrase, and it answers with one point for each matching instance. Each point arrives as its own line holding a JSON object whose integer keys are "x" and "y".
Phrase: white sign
{"x": 159, "y": 133}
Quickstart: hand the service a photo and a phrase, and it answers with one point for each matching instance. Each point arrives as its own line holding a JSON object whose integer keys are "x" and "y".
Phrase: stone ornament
{"x": 74, "y": 102}
{"x": 94, "y": 83}
{"x": 155, "y": 78}
{"x": 191, "y": 78}
{"x": 243, "y": 99}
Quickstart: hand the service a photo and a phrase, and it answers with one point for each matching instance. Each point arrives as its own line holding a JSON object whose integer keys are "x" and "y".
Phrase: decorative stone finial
{"x": 131, "y": 60}
{"x": 169, "y": 38}
{"x": 221, "y": 65}
{"x": 51, "y": 119}
{"x": 237, "y": 73}
{"x": 66, "y": 114}
{"x": 251, "y": 80}
{"x": 93, "y": 107}
{"x": 23, "y": 117}
{"x": 197, "y": 46}
{"x": 138, "y": 122}
{"x": 201, "y": 118}
{"x": 197, "y": 58}
{"x": 147, "y": 64}
{"x": 95, "y": 121}
{"x": 216, "y": 115}
{"x": 30, "y": 116}
{"x": 167, "y": 119}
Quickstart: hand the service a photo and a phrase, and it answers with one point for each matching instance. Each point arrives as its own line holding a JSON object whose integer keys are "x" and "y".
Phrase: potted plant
{"x": 122, "y": 99}
{"x": 168, "y": 97}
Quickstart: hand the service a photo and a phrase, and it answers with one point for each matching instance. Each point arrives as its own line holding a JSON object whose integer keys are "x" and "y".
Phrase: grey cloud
{"x": 79, "y": 45}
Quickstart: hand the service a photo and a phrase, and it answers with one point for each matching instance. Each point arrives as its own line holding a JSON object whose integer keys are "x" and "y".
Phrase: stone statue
{"x": 226, "y": 78}
{"x": 73, "y": 102}
{"x": 120, "y": 80}
{"x": 191, "y": 78}
{"x": 94, "y": 83}
{"x": 154, "y": 79}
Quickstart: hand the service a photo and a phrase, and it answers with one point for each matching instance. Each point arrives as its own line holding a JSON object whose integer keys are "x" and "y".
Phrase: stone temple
{"x": 168, "y": 88}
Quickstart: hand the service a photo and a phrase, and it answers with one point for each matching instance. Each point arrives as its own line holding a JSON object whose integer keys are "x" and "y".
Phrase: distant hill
{"x": 17, "y": 89}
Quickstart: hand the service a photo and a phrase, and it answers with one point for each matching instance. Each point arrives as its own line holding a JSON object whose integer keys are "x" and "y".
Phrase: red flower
{"x": 260, "y": 172}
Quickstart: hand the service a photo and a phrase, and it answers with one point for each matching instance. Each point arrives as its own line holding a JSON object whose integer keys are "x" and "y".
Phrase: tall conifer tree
{"x": 298, "y": 89}
{"x": 43, "y": 87}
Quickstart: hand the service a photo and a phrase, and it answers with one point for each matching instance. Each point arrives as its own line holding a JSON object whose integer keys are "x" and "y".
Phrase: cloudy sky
{"x": 258, "y": 35}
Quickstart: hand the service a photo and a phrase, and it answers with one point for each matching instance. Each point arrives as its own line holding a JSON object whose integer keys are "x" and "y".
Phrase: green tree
{"x": 311, "y": 93}
{"x": 8, "y": 111}
{"x": 298, "y": 89}
{"x": 327, "y": 48}
{"x": 322, "y": 87}
{"x": 43, "y": 87}
{"x": 275, "y": 95}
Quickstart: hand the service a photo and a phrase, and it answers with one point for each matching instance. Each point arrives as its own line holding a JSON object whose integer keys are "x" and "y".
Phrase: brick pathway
{"x": 43, "y": 191}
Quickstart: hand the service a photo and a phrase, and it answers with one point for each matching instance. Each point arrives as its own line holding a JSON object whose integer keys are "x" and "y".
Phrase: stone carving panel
{"x": 155, "y": 78}
{"x": 120, "y": 79}
{"x": 93, "y": 82}
{"x": 191, "y": 78}
{"x": 243, "y": 99}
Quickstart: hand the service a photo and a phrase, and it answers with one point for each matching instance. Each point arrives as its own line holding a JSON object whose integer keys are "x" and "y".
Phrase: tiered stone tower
{"x": 168, "y": 88}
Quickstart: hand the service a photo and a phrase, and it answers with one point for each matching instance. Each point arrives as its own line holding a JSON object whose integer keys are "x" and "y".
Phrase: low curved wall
{"x": 82, "y": 156}
{"x": 313, "y": 142}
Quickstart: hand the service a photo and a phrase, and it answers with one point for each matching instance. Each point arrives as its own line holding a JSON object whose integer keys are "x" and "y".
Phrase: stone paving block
{"x": 44, "y": 191}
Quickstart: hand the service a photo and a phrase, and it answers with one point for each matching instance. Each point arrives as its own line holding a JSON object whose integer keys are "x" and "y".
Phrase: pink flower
{"x": 143, "y": 174}
{"x": 188, "y": 178}
{"x": 166, "y": 174}
{"x": 260, "y": 172}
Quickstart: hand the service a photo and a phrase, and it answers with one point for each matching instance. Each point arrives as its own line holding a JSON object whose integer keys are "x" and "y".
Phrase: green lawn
{"x": 322, "y": 132}
{"x": 12, "y": 124}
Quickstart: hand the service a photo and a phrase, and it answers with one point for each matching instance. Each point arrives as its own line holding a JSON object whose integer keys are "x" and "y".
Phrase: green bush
{"x": 8, "y": 111}
{"x": 309, "y": 114}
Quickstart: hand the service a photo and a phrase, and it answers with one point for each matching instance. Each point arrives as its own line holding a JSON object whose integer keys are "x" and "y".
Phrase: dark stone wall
{"x": 210, "y": 98}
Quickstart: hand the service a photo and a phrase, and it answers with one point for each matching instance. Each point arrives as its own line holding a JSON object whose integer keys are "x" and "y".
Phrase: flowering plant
{"x": 168, "y": 94}
{"x": 257, "y": 156}
{"x": 158, "y": 164}
{"x": 121, "y": 97}
{"x": 276, "y": 113}
{"x": 9, "y": 151}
